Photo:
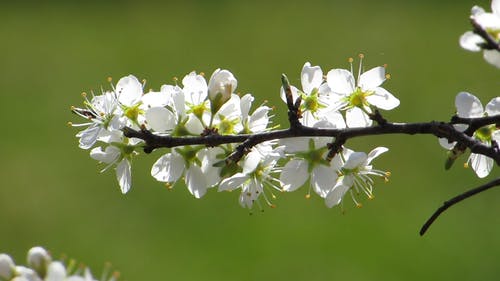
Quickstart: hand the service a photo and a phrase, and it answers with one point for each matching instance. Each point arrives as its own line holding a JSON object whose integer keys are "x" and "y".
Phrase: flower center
{"x": 311, "y": 102}
{"x": 358, "y": 98}
{"x": 133, "y": 112}
{"x": 484, "y": 133}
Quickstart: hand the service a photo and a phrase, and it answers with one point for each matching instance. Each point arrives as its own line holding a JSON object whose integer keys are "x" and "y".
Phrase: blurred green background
{"x": 52, "y": 194}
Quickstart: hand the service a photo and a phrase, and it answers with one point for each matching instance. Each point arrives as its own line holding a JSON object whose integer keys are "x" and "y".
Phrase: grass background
{"x": 52, "y": 195}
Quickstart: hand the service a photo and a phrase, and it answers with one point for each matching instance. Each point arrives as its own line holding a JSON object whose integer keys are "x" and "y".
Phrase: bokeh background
{"x": 51, "y": 192}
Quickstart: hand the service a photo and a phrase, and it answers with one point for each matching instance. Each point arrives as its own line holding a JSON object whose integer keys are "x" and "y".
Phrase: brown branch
{"x": 456, "y": 200}
{"x": 491, "y": 43}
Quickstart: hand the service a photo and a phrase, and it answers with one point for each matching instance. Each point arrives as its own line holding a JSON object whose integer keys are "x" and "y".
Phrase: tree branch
{"x": 491, "y": 42}
{"x": 456, "y": 200}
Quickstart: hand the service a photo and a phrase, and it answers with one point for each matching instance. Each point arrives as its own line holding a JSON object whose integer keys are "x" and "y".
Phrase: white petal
{"x": 340, "y": 81}
{"x": 222, "y": 82}
{"x": 168, "y": 168}
{"x": 294, "y": 174}
{"x": 108, "y": 156}
{"x": 245, "y": 104}
{"x": 251, "y": 161}
{"x": 193, "y": 125}
{"x": 153, "y": 99}
{"x": 355, "y": 160}
{"x": 488, "y": 21}
{"x": 259, "y": 119}
{"x": 6, "y": 267}
{"x": 88, "y": 137}
{"x": 476, "y": 10}
{"x": 195, "y": 88}
{"x": 295, "y": 93}
{"x": 196, "y": 182}
{"x": 481, "y": 164}
{"x": 375, "y": 153}
{"x": 323, "y": 179}
{"x": 124, "y": 175}
{"x": 160, "y": 119}
{"x": 492, "y": 57}
{"x": 355, "y": 118}
{"x": 446, "y": 144}
{"x": 233, "y": 182}
{"x": 493, "y": 107}
{"x": 372, "y": 78}
{"x": 495, "y": 7}
{"x": 311, "y": 77}
{"x": 56, "y": 272}
{"x": 468, "y": 106}
{"x": 231, "y": 109}
{"x": 383, "y": 99}
{"x": 334, "y": 197}
{"x": 128, "y": 90}
{"x": 209, "y": 156}
{"x": 335, "y": 118}
{"x": 293, "y": 145}
{"x": 470, "y": 41}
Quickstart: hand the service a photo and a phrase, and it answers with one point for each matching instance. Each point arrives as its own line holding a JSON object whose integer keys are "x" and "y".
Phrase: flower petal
{"x": 492, "y": 57}
{"x": 355, "y": 118}
{"x": 128, "y": 90}
{"x": 233, "y": 182}
{"x": 481, "y": 164}
{"x": 88, "y": 137}
{"x": 493, "y": 107}
{"x": 245, "y": 104}
{"x": 375, "y": 153}
{"x": 108, "y": 156}
{"x": 355, "y": 160}
{"x": 195, "y": 181}
{"x": 470, "y": 41}
{"x": 382, "y": 99}
{"x": 468, "y": 106}
{"x": 340, "y": 81}
{"x": 311, "y": 77}
{"x": 372, "y": 78}
{"x": 323, "y": 179}
{"x": 334, "y": 197}
{"x": 160, "y": 119}
{"x": 495, "y": 7}
{"x": 168, "y": 168}
{"x": 124, "y": 175}
{"x": 294, "y": 174}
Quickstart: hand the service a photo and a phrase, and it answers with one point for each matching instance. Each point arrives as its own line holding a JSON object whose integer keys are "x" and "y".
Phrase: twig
{"x": 456, "y": 200}
{"x": 491, "y": 43}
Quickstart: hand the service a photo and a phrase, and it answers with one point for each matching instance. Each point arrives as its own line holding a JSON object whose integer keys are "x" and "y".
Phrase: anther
{"x": 350, "y": 60}
{"x": 202, "y": 74}
{"x": 169, "y": 186}
{"x": 371, "y": 197}
{"x": 110, "y": 79}
{"x": 84, "y": 94}
{"x": 308, "y": 195}
{"x": 361, "y": 56}
{"x": 385, "y": 65}
{"x": 466, "y": 165}
{"x": 387, "y": 76}
{"x": 272, "y": 206}
{"x": 72, "y": 108}
{"x": 359, "y": 205}
{"x": 70, "y": 124}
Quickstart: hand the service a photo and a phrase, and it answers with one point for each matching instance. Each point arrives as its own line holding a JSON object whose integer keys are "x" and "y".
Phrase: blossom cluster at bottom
{"x": 41, "y": 267}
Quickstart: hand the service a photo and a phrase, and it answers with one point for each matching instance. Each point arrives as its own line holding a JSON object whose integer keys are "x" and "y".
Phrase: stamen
{"x": 361, "y": 56}
{"x": 110, "y": 79}
{"x": 387, "y": 76}
{"x": 466, "y": 165}
{"x": 202, "y": 74}
{"x": 169, "y": 186}
{"x": 70, "y": 124}
{"x": 84, "y": 94}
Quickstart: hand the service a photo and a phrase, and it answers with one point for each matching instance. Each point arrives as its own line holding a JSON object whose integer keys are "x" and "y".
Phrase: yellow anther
{"x": 387, "y": 76}
{"x": 72, "y": 108}
{"x": 70, "y": 124}
{"x": 169, "y": 186}
{"x": 388, "y": 174}
{"x": 110, "y": 79}
{"x": 202, "y": 74}
{"x": 361, "y": 56}
{"x": 143, "y": 81}
{"x": 175, "y": 79}
{"x": 272, "y": 206}
{"x": 386, "y": 180}
{"x": 359, "y": 205}
{"x": 466, "y": 165}
{"x": 350, "y": 59}
{"x": 371, "y": 197}
{"x": 308, "y": 196}
{"x": 385, "y": 65}
{"x": 84, "y": 94}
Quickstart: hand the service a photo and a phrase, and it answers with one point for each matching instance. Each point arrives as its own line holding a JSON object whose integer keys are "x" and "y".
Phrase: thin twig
{"x": 456, "y": 200}
{"x": 491, "y": 42}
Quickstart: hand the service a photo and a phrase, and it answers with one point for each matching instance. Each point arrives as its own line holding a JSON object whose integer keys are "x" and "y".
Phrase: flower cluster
{"x": 197, "y": 108}
{"x": 469, "y": 106}
{"x": 41, "y": 267}
{"x": 486, "y": 36}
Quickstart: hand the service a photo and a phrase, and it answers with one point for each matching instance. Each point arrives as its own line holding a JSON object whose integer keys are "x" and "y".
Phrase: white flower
{"x": 102, "y": 113}
{"x": 259, "y": 165}
{"x": 7, "y": 267}
{"x": 317, "y": 103}
{"x": 355, "y": 174}
{"x": 196, "y": 162}
{"x": 309, "y": 163}
{"x": 469, "y": 106}
{"x": 119, "y": 153}
{"x": 227, "y": 120}
{"x": 357, "y": 98}
{"x": 490, "y": 22}
{"x": 221, "y": 86}
{"x": 258, "y": 120}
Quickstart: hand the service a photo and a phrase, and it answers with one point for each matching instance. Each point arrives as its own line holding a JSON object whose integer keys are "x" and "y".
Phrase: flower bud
{"x": 6, "y": 267}
{"x": 220, "y": 87}
{"x": 39, "y": 260}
